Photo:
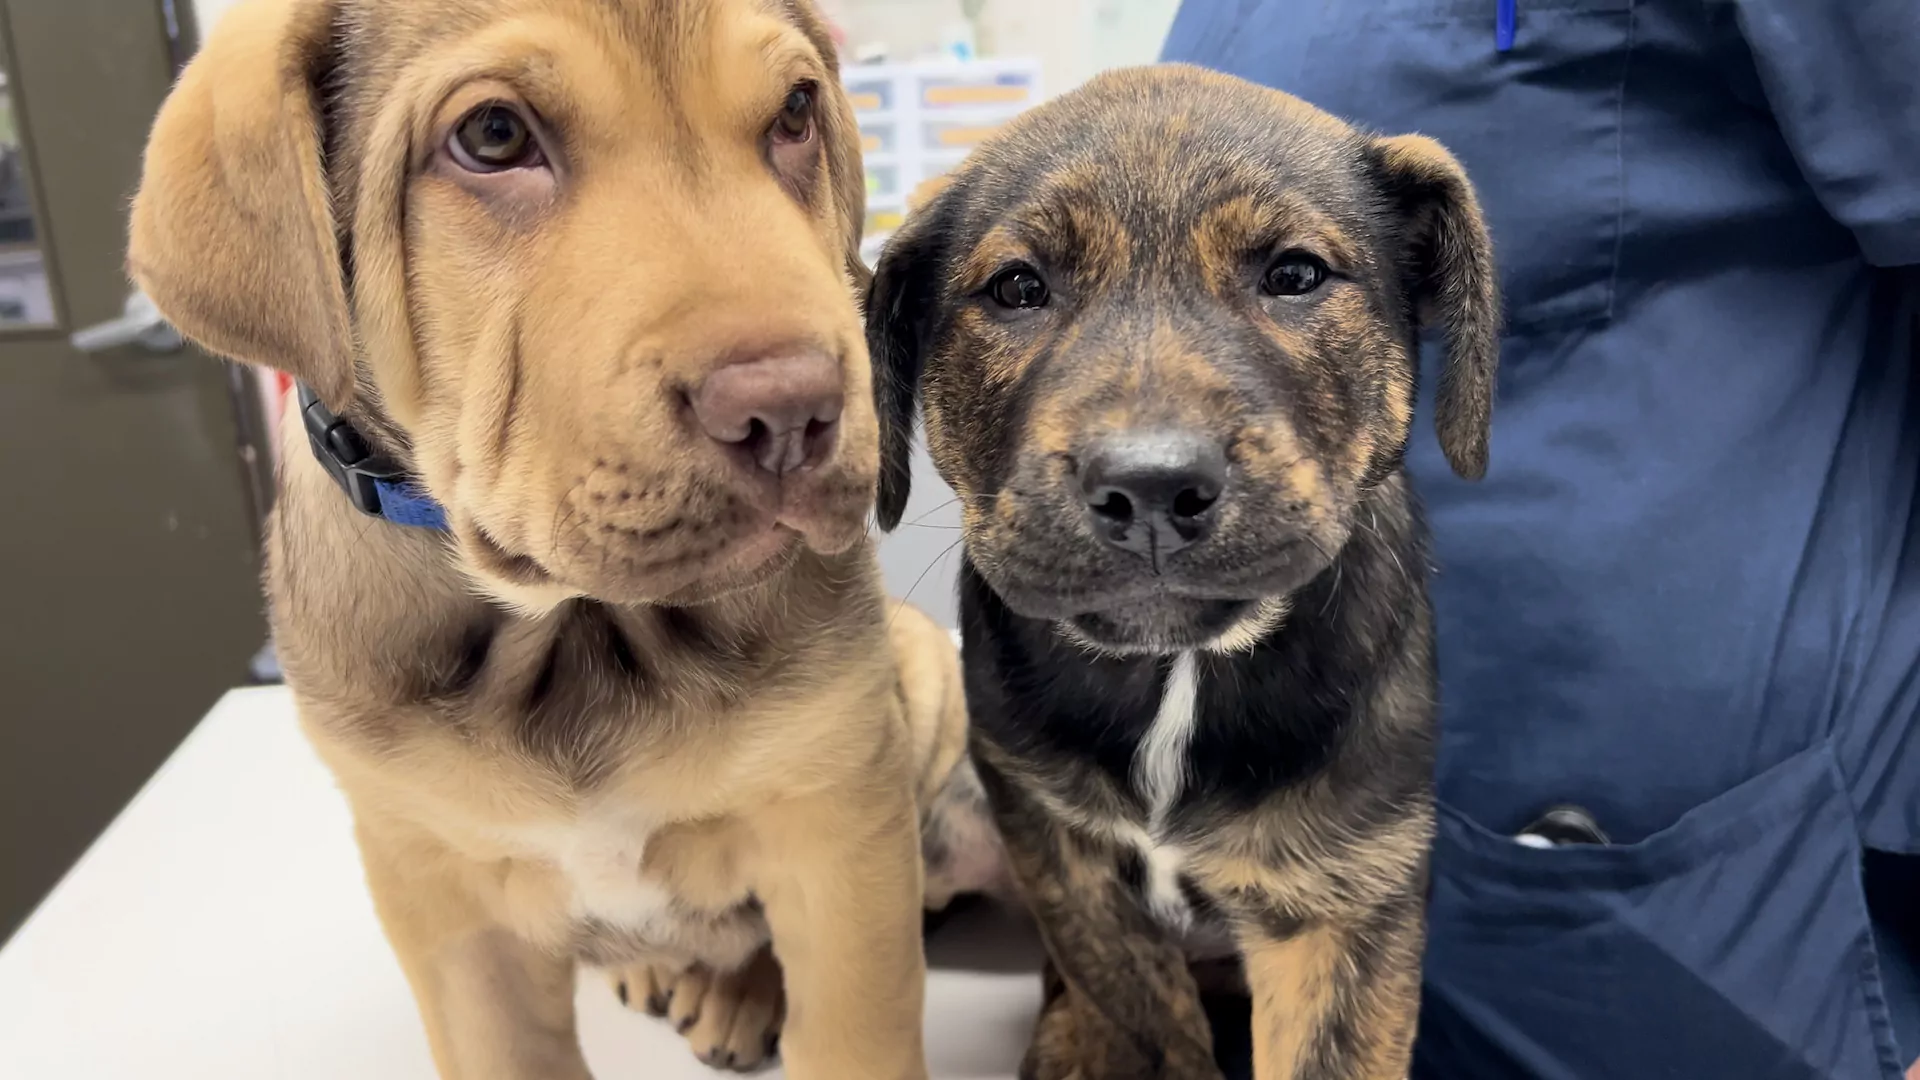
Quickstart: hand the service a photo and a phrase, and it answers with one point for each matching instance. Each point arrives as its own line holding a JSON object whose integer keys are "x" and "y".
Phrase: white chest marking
{"x": 600, "y": 859}
{"x": 1159, "y": 775}
{"x": 1164, "y": 897}
{"x": 1160, "y": 761}
{"x": 607, "y": 884}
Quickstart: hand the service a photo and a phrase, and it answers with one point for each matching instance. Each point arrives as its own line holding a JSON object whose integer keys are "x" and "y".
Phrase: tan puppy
{"x": 580, "y": 270}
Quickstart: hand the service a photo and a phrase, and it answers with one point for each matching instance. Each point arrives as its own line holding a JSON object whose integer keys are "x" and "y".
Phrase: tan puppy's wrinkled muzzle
{"x": 675, "y": 431}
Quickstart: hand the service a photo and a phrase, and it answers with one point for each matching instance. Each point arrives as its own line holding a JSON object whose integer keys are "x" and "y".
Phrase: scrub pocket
{"x": 1538, "y": 127}
{"x": 1733, "y": 944}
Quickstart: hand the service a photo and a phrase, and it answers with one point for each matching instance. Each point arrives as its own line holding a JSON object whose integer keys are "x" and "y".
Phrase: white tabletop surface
{"x": 220, "y": 928}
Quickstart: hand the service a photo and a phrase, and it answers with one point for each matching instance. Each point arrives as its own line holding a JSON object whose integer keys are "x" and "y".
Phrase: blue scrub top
{"x": 1687, "y": 595}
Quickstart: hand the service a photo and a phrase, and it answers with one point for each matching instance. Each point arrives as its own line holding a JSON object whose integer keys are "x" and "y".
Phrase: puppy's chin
{"x": 754, "y": 563}
{"x": 751, "y": 539}
{"x": 531, "y": 586}
{"x": 1134, "y": 618}
{"x": 1170, "y": 624}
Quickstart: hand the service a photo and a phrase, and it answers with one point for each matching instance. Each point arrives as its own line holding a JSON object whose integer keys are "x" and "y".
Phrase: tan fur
{"x": 629, "y": 712}
{"x": 1293, "y": 1000}
{"x": 1303, "y": 984}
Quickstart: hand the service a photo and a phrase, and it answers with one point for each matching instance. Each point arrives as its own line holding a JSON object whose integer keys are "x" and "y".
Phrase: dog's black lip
{"x": 1040, "y": 603}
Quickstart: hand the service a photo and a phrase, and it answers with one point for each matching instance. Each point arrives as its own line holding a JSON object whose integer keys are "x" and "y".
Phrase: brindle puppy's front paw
{"x": 731, "y": 1020}
{"x": 1051, "y": 1054}
{"x": 1072, "y": 1040}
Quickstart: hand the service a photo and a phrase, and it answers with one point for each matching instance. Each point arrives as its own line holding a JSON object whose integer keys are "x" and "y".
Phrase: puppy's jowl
{"x": 573, "y": 585}
{"x": 1165, "y": 332}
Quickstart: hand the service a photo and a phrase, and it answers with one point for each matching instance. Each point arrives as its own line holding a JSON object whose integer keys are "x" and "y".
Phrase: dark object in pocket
{"x": 1563, "y": 825}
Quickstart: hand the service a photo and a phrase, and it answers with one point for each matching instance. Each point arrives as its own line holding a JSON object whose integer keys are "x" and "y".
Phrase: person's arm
{"x": 1842, "y": 78}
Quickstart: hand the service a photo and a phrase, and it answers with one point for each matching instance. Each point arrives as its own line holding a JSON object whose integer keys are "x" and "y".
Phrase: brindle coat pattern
{"x": 1151, "y": 201}
{"x": 640, "y": 707}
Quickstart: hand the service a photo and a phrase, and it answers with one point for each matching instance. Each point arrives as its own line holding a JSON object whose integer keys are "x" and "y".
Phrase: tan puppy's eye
{"x": 494, "y": 138}
{"x": 795, "y": 122}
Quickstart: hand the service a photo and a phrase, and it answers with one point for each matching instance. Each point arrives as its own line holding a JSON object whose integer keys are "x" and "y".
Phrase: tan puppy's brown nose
{"x": 782, "y": 411}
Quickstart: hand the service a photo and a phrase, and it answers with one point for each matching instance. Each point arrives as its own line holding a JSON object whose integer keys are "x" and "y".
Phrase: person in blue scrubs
{"x": 1686, "y": 598}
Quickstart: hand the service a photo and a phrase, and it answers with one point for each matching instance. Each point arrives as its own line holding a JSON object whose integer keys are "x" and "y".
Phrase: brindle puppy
{"x": 1165, "y": 329}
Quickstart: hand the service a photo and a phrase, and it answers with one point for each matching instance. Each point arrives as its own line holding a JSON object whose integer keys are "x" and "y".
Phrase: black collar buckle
{"x": 344, "y": 453}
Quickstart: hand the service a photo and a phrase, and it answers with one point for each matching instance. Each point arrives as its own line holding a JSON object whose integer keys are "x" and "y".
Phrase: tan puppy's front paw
{"x": 731, "y": 1020}
{"x": 643, "y": 987}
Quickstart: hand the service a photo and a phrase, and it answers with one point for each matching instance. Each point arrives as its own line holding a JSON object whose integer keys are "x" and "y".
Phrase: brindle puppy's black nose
{"x": 1150, "y": 492}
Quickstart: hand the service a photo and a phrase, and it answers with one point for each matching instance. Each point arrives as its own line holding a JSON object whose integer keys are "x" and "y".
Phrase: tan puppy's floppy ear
{"x": 842, "y": 135}
{"x": 1451, "y": 279}
{"x": 849, "y": 184}
{"x": 233, "y": 229}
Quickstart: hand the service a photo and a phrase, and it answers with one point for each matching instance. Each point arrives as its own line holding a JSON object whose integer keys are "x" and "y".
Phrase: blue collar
{"x": 375, "y": 486}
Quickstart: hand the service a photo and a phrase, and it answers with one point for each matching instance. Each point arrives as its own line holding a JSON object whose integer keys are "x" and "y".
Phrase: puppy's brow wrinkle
{"x": 1067, "y": 225}
{"x": 516, "y": 376}
{"x": 996, "y": 249}
{"x": 1243, "y": 223}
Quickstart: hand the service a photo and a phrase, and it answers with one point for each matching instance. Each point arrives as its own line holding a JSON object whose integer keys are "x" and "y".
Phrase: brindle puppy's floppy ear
{"x": 900, "y": 310}
{"x": 1450, "y": 278}
{"x": 233, "y": 232}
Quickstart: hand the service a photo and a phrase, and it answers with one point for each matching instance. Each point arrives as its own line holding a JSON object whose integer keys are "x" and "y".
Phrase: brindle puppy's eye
{"x": 1294, "y": 273}
{"x": 494, "y": 138}
{"x": 795, "y": 122}
{"x": 1018, "y": 287}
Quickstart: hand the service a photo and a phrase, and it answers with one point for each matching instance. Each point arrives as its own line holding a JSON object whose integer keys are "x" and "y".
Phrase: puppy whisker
{"x": 908, "y": 596}
{"x": 930, "y": 513}
{"x": 1373, "y": 527}
{"x": 563, "y": 511}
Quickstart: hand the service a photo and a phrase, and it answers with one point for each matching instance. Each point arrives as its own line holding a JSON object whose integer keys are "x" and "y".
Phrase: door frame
{"x": 254, "y": 451}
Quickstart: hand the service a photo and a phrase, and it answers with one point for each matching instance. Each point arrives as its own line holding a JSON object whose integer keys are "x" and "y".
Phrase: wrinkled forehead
{"x": 659, "y": 33}
{"x": 673, "y": 49}
{"x": 1121, "y": 184}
